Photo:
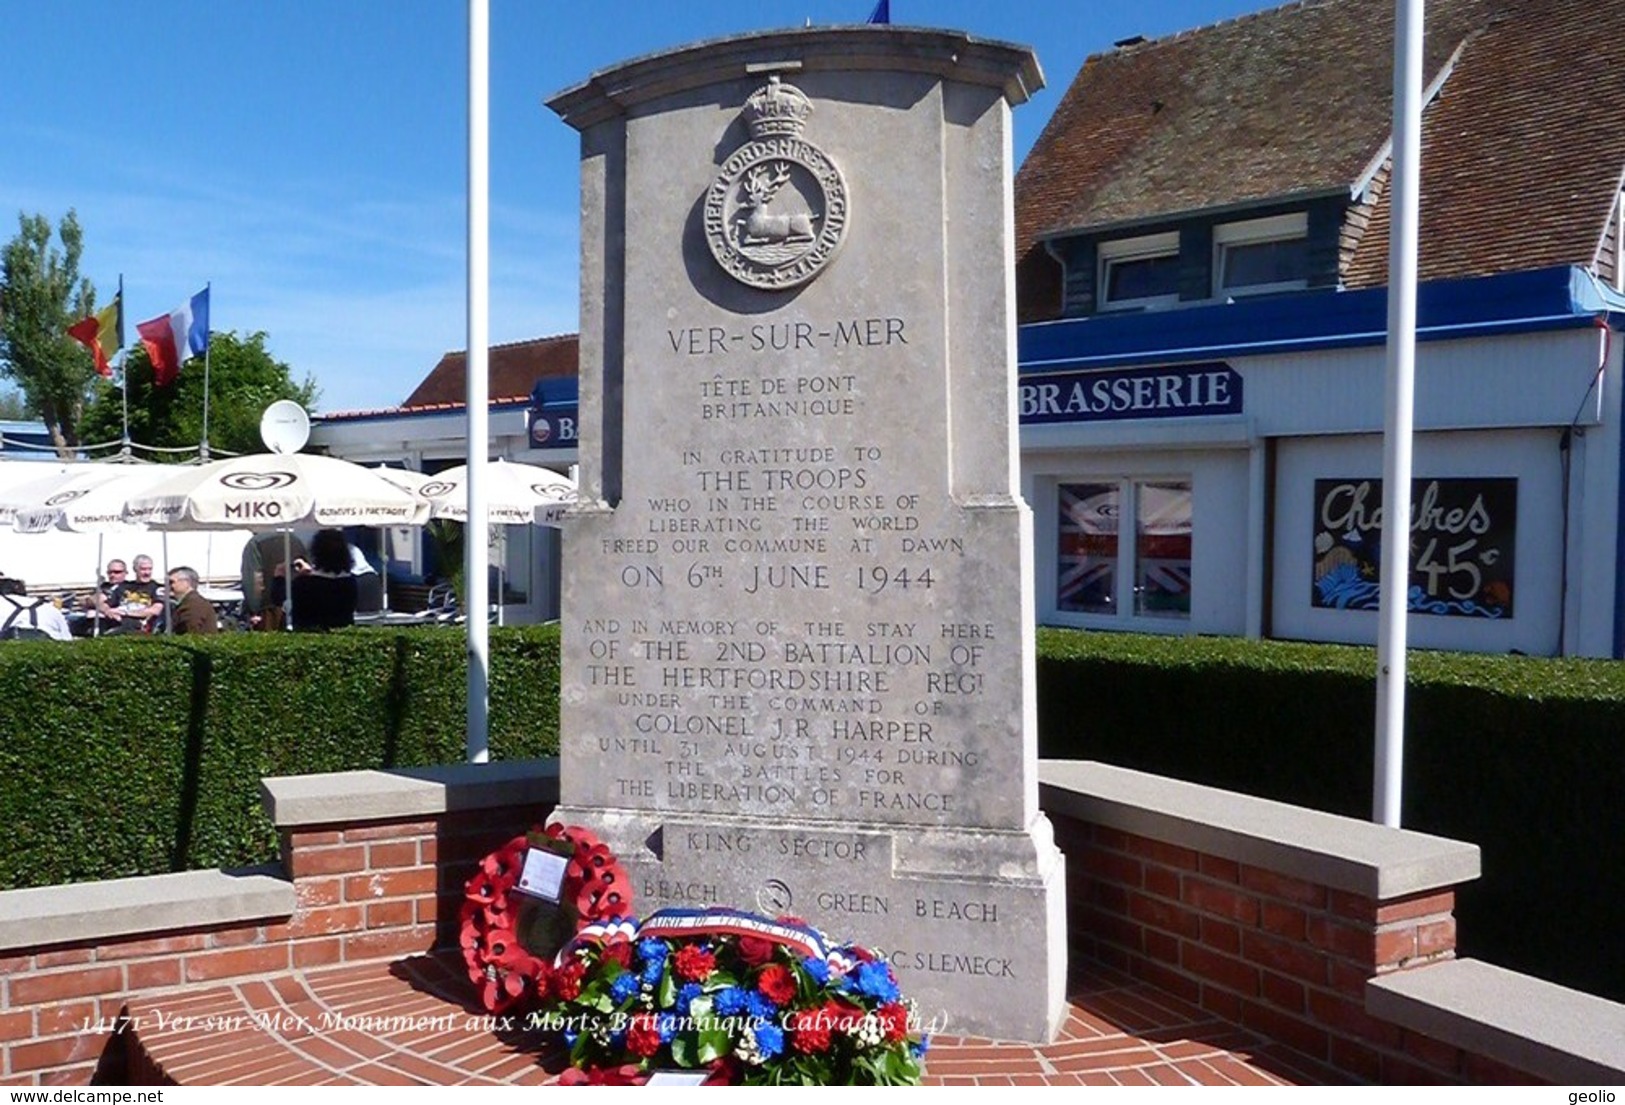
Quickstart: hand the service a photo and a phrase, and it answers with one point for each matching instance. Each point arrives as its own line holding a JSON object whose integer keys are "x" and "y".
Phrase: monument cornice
{"x": 950, "y": 55}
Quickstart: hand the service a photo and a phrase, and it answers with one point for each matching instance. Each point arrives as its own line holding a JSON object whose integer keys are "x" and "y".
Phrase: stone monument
{"x": 797, "y": 599}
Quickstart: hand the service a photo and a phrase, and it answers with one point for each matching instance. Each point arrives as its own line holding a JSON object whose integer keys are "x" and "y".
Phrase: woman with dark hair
{"x": 324, "y": 591}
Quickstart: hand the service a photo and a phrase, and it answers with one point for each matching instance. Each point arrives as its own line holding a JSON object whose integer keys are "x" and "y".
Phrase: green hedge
{"x": 126, "y": 757}
{"x": 1522, "y": 756}
{"x": 137, "y": 756}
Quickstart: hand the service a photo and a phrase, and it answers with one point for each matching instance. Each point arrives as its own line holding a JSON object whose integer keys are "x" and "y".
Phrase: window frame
{"x": 1290, "y": 227}
{"x": 1145, "y": 247}
{"x": 1127, "y": 562}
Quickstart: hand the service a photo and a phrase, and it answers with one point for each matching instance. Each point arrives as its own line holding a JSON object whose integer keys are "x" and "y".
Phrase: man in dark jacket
{"x": 193, "y": 612}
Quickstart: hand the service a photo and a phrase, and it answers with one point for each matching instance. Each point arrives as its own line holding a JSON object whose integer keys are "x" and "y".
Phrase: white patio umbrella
{"x": 516, "y": 495}
{"x": 275, "y": 491}
{"x": 264, "y": 491}
{"x": 24, "y": 484}
{"x": 89, "y": 498}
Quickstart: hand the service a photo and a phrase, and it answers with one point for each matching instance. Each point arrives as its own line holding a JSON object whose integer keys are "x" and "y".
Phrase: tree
{"x": 13, "y": 407}
{"x": 41, "y": 295}
{"x": 244, "y": 379}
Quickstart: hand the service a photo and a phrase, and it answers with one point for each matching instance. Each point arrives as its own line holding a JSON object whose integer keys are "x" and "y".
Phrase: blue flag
{"x": 882, "y": 12}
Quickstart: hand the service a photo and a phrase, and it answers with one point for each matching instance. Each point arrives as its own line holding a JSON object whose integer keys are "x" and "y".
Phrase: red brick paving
{"x": 1117, "y": 1032}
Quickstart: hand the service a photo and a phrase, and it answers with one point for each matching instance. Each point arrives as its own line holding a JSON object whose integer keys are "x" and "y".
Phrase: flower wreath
{"x": 735, "y": 996}
{"x": 509, "y": 936}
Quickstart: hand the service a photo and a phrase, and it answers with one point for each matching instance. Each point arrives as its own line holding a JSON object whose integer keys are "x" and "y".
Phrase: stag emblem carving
{"x": 760, "y": 226}
{"x": 776, "y": 211}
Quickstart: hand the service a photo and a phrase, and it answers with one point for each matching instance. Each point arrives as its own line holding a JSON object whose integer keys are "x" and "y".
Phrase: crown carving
{"x": 776, "y": 110}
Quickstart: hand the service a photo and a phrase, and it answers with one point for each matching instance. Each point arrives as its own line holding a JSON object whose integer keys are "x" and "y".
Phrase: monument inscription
{"x": 797, "y": 604}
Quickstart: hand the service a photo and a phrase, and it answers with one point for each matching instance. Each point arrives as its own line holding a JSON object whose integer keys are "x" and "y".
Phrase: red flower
{"x": 618, "y": 952}
{"x": 894, "y": 1021}
{"x": 809, "y": 1031}
{"x": 724, "y": 1072}
{"x": 503, "y": 992}
{"x": 841, "y": 1015}
{"x": 694, "y": 963}
{"x": 484, "y": 888}
{"x": 626, "y": 1075}
{"x": 503, "y": 865}
{"x": 567, "y": 980}
{"x": 542, "y": 983}
{"x": 755, "y": 950}
{"x": 642, "y": 1036}
{"x": 777, "y": 983}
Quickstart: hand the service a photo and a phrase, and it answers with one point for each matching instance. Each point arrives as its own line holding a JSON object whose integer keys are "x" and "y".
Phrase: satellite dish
{"x": 284, "y": 427}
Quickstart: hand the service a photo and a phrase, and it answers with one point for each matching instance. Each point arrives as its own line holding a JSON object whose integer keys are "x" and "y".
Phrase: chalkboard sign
{"x": 1463, "y": 534}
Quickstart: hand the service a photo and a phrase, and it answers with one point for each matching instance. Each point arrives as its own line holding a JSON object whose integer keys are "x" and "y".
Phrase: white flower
{"x": 747, "y": 1049}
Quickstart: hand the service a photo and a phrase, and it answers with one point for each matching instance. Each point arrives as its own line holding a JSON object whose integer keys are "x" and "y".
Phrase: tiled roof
{"x": 420, "y": 409}
{"x": 514, "y": 369}
{"x": 1524, "y": 140}
{"x": 1522, "y": 153}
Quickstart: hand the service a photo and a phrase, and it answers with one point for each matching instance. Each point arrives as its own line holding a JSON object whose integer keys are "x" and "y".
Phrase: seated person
{"x": 22, "y": 618}
{"x": 193, "y": 613}
{"x": 128, "y": 603}
{"x": 324, "y": 590}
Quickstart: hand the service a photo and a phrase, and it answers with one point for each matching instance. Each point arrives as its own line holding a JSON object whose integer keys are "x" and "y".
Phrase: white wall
{"x": 1529, "y": 455}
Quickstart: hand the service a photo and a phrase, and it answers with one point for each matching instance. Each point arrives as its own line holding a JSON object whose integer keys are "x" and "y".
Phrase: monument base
{"x": 983, "y": 954}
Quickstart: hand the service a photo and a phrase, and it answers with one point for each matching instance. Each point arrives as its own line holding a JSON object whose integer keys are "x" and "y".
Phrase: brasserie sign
{"x": 1184, "y": 391}
{"x": 1463, "y": 536}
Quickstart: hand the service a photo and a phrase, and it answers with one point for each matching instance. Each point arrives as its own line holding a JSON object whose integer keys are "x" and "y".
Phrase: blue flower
{"x": 759, "y": 1007}
{"x": 617, "y": 1039}
{"x": 685, "y": 994}
{"x": 570, "y": 1037}
{"x": 875, "y": 981}
{"x": 817, "y": 968}
{"x": 652, "y": 950}
{"x": 624, "y": 986}
{"x": 667, "y": 1024}
{"x": 769, "y": 1039}
{"x": 730, "y": 1001}
{"x": 653, "y": 972}
{"x": 918, "y": 1050}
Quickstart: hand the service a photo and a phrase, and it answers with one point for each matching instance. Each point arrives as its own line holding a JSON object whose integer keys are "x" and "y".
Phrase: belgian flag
{"x": 103, "y": 332}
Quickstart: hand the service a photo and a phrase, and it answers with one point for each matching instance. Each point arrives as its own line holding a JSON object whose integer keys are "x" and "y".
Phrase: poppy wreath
{"x": 509, "y": 937}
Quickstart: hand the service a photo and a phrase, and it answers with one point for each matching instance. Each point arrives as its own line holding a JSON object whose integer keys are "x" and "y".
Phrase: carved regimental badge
{"x": 776, "y": 212}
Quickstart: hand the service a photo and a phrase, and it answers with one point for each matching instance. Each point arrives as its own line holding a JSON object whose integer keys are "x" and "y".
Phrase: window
{"x": 1261, "y": 255}
{"x": 1157, "y": 582}
{"x": 1139, "y": 272}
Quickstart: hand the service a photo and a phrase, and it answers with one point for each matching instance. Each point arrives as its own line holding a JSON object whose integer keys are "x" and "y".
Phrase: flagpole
{"x": 203, "y": 449}
{"x": 1404, "y": 205}
{"x": 476, "y": 553}
{"x": 123, "y": 373}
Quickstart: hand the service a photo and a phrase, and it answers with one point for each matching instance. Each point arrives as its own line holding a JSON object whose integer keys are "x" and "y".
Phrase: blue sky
{"x": 308, "y": 157}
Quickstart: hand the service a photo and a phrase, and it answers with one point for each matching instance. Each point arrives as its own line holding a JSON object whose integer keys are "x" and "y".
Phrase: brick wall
{"x": 378, "y": 890}
{"x": 1285, "y": 957}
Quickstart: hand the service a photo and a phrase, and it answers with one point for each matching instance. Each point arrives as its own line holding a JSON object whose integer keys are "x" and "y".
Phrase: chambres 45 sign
{"x": 1463, "y": 540}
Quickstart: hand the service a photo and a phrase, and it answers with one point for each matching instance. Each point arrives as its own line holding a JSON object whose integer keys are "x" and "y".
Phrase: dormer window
{"x": 1260, "y": 256}
{"x": 1139, "y": 272}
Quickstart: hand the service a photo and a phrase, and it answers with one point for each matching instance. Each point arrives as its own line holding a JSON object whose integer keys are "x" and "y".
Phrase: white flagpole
{"x": 1404, "y": 206}
{"x": 476, "y": 555}
{"x": 123, "y": 374}
{"x": 203, "y": 449}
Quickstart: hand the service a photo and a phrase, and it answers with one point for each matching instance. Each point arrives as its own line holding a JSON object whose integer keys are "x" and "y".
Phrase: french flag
{"x": 172, "y": 338}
